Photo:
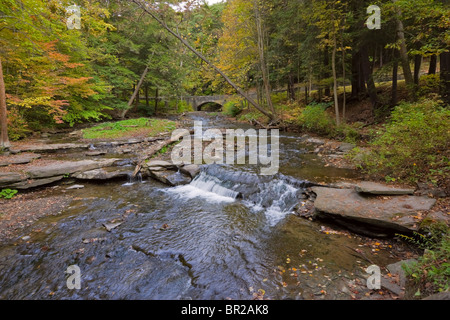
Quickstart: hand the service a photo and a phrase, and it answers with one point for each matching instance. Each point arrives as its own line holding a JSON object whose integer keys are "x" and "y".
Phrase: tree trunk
{"x": 404, "y": 56}
{"x": 394, "y": 80}
{"x": 4, "y": 140}
{"x": 269, "y": 115}
{"x": 358, "y": 78}
{"x": 445, "y": 77}
{"x": 136, "y": 100}
{"x": 355, "y": 75}
{"x": 262, "y": 59}
{"x": 433, "y": 64}
{"x": 156, "y": 100}
{"x": 326, "y": 63}
{"x": 333, "y": 67}
{"x": 344, "y": 101}
{"x": 135, "y": 94}
{"x": 291, "y": 88}
{"x": 306, "y": 95}
{"x": 368, "y": 77}
{"x": 147, "y": 104}
{"x": 417, "y": 65}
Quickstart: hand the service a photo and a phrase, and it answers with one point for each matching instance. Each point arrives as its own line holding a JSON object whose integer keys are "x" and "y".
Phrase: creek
{"x": 229, "y": 234}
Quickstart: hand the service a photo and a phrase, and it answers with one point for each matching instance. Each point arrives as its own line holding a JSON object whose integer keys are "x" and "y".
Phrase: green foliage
{"x": 128, "y": 128}
{"x": 414, "y": 144}
{"x": 429, "y": 84}
{"x": 251, "y": 116}
{"x": 432, "y": 271}
{"x": 183, "y": 106}
{"x": 17, "y": 125}
{"x": 347, "y": 132}
{"x": 232, "y": 108}
{"x": 315, "y": 118}
{"x": 8, "y": 193}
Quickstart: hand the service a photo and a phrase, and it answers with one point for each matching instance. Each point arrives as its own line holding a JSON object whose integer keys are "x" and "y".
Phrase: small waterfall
{"x": 212, "y": 184}
{"x": 275, "y": 196}
{"x": 133, "y": 179}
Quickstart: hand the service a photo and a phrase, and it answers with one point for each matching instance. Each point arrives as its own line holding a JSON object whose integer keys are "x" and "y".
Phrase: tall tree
{"x": 4, "y": 140}
{"x": 150, "y": 11}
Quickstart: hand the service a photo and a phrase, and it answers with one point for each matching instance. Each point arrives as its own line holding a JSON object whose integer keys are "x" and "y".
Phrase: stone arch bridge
{"x": 197, "y": 102}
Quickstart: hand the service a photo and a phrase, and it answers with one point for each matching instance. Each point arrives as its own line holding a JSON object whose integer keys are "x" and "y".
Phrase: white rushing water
{"x": 275, "y": 198}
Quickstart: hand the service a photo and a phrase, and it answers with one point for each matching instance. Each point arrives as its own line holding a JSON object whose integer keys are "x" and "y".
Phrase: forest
{"x": 363, "y": 83}
{"x": 354, "y": 70}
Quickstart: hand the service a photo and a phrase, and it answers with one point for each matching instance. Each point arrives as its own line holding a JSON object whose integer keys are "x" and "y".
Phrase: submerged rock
{"x": 75, "y": 186}
{"x": 112, "y": 225}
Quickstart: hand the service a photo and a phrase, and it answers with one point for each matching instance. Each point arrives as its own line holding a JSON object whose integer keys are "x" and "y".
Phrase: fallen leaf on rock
{"x": 111, "y": 226}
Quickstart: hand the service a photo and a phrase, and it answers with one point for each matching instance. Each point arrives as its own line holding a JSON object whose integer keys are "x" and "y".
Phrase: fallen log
{"x": 156, "y": 148}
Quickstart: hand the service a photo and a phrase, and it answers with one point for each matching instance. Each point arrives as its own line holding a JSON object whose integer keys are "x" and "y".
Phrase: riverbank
{"x": 59, "y": 194}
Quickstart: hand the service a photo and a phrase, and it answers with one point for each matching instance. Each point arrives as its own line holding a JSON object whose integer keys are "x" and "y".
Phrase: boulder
{"x": 315, "y": 141}
{"x": 191, "y": 169}
{"x": 346, "y": 147}
{"x": 75, "y": 186}
{"x": 439, "y": 216}
{"x": 374, "y": 216}
{"x": 171, "y": 178}
{"x": 439, "y": 296}
{"x": 397, "y": 268}
{"x": 381, "y": 189}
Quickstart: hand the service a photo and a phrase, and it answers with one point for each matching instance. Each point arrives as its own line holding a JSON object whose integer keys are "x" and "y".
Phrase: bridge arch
{"x": 214, "y": 102}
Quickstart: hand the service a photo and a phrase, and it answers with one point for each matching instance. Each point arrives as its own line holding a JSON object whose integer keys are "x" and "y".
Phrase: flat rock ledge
{"x": 381, "y": 189}
{"x": 35, "y": 176}
{"x": 169, "y": 173}
{"x": 370, "y": 214}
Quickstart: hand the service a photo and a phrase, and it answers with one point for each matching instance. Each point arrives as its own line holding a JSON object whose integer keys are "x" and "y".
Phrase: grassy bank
{"x": 129, "y": 128}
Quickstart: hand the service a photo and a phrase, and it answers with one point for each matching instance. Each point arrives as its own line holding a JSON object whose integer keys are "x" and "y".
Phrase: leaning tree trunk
{"x": 4, "y": 140}
{"x": 135, "y": 93}
{"x": 241, "y": 92}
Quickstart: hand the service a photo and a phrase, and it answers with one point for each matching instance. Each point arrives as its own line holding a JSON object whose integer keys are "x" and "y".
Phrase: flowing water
{"x": 231, "y": 233}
